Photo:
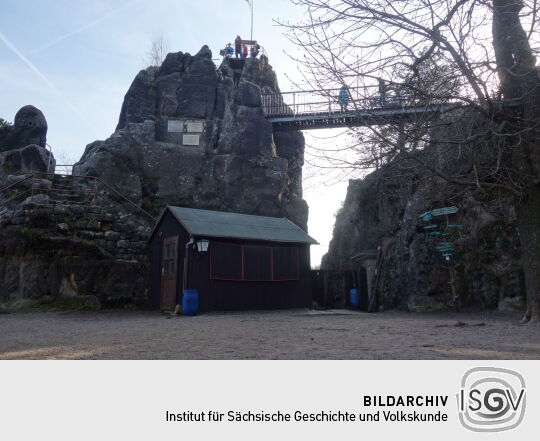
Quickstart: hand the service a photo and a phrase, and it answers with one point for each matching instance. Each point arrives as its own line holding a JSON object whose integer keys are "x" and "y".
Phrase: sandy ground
{"x": 266, "y": 335}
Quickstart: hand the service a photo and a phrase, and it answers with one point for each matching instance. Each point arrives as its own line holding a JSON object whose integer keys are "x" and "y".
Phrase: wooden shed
{"x": 235, "y": 261}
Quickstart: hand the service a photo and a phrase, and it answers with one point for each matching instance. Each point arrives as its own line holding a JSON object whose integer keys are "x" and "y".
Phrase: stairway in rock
{"x": 81, "y": 209}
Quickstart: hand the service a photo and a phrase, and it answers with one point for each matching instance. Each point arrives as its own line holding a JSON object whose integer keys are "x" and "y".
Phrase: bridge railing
{"x": 64, "y": 169}
{"x": 329, "y": 101}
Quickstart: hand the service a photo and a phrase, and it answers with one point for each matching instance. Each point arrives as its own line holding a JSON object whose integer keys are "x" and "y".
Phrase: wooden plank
{"x": 169, "y": 273}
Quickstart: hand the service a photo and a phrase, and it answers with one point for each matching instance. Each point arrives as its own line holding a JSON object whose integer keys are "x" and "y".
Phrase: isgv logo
{"x": 491, "y": 399}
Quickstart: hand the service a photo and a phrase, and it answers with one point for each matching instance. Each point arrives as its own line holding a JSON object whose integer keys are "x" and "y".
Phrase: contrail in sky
{"x": 85, "y": 27}
{"x": 40, "y": 74}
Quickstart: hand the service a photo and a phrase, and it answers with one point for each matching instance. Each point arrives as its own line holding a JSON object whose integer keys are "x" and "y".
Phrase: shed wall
{"x": 222, "y": 295}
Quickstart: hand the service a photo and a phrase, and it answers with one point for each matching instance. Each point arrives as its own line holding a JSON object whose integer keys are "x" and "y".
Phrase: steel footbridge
{"x": 357, "y": 107}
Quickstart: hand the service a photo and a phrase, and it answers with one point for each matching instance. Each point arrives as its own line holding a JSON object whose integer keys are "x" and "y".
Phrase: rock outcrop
{"x": 188, "y": 134}
{"x": 23, "y": 145}
{"x": 64, "y": 243}
{"x": 193, "y": 135}
{"x": 383, "y": 210}
{"x": 32, "y": 158}
{"x": 29, "y": 127}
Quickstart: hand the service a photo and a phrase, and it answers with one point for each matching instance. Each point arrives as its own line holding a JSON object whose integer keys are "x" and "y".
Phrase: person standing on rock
{"x": 244, "y": 51}
{"x": 224, "y": 52}
{"x": 255, "y": 50}
{"x": 238, "y": 46}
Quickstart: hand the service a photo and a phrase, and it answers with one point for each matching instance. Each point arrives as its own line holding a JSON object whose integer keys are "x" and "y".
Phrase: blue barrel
{"x": 190, "y": 302}
{"x": 354, "y": 298}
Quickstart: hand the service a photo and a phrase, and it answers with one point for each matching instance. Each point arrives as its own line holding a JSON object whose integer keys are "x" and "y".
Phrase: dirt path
{"x": 266, "y": 335}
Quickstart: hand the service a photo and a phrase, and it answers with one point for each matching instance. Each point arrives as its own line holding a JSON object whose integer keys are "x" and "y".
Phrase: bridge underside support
{"x": 375, "y": 117}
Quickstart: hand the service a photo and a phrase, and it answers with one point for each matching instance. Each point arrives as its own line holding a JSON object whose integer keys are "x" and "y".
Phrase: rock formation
{"x": 55, "y": 247}
{"x": 193, "y": 135}
{"x": 188, "y": 134}
{"x": 31, "y": 158}
{"x": 383, "y": 210}
{"x": 68, "y": 241}
{"x": 29, "y": 127}
{"x": 23, "y": 145}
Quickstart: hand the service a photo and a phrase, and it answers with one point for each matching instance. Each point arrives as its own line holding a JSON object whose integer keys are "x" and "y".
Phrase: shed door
{"x": 169, "y": 272}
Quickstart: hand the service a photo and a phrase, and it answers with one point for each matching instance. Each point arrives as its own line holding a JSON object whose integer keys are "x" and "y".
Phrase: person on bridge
{"x": 238, "y": 46}
{"x": 382, "y": 93}
{"x": 343, "y": 98}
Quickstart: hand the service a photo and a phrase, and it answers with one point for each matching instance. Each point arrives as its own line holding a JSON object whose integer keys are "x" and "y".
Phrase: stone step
{"x": 62, "y": 185}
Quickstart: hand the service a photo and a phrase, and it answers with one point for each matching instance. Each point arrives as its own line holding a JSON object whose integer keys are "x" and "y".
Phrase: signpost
{"x": 444, "y": 211}
{"x": 428, "y": 215}
{"x": 441, "y": 229}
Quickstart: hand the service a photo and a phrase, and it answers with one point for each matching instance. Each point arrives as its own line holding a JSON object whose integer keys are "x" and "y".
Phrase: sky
{"x": 76, "y": 59}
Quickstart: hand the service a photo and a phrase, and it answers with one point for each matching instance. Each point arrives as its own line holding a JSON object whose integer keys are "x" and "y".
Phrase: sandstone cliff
{"x": 188, "y": 134}
{"x": 60, "y": 245}
{"x": 383, "y": 210}
{"x": 193, "y": 135}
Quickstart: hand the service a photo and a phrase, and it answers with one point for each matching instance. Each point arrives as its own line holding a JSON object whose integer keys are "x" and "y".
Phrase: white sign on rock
{"x": 191, "y": 139}
{"x": 175, "y": 126}
{"x": 195, "y": 126}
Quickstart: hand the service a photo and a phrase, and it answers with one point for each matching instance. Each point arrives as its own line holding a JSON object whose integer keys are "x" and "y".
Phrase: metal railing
{"x": 334, "y": 101}
{"x": 90, "y": 187}
{"x": 64, "y": 169}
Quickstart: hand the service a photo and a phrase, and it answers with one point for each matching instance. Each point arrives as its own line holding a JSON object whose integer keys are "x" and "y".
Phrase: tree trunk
{"x": 516, "y": 63}
{"x": 520, "y": 85}
{"x": 529, "y": 231}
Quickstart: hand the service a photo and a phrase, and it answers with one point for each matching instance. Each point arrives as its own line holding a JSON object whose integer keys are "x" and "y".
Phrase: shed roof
{"x": 239, "y": 226}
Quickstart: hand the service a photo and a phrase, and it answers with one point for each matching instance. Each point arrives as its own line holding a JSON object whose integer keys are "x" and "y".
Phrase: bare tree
{"x": 157, "y": 51}
{"x": 487, "y": 48}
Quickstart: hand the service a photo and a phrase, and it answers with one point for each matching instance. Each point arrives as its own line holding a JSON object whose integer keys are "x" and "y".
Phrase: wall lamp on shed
{"x": 202, "y": 245}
